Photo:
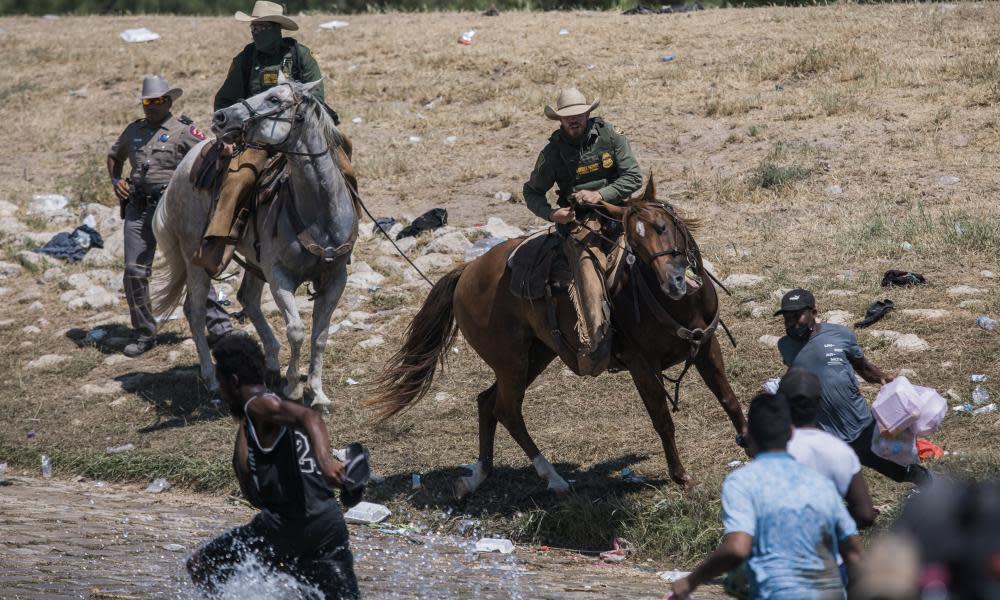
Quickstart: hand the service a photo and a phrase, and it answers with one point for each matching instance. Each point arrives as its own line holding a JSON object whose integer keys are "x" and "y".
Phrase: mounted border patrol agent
{"x": 256, "y": 68}
{"x": 154, "y": 145}
{"x": 590, "y": 161}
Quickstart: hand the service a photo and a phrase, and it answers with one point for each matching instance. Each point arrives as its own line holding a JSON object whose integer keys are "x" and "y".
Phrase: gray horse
{"x": 305, "y": 237}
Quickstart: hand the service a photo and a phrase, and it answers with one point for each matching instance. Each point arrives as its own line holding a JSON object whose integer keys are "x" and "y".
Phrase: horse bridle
{"x": 269, "y": 115}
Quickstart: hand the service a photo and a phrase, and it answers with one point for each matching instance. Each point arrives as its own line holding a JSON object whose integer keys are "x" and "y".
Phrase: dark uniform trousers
{"x": 140, "y": 246}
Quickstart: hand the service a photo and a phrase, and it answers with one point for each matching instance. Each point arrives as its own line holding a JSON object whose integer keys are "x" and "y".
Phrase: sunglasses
{"x": 154, "y": 101}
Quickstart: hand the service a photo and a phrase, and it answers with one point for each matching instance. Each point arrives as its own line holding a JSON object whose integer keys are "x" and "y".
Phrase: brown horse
{"x": 514, "y": 336}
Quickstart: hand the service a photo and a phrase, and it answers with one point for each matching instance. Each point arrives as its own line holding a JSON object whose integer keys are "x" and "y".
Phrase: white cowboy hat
{"x": 270, "y": 12}
{"x": 570, "y": 102}
{"x": 154, "y": 86}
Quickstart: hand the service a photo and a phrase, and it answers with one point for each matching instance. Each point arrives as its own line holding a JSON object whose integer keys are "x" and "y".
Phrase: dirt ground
{"x": 813, "y": 142}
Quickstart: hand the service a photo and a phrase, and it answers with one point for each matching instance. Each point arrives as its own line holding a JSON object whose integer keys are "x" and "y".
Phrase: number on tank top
{"x": 306, "y": 464}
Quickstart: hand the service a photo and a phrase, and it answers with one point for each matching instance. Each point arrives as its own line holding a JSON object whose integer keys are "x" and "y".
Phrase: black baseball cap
{"x": 795, "y": 301}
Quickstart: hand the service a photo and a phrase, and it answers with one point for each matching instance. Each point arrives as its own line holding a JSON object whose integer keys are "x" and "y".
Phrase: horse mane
{"x": 645, "y": 209}
{"x": 323, "y": 114}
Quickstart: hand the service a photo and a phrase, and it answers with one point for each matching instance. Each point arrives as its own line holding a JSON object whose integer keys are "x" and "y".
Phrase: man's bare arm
{"x": 732, "y": 551}
{"x": 870, "y": 372}
{"x": 859, "y": 502}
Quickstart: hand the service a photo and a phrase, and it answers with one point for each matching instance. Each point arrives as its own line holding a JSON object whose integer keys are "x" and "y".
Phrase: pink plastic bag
{"x": 901, "y": 406}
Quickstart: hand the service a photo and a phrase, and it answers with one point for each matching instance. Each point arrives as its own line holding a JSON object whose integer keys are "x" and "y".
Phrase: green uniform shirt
{"x": 602, "y": 161}
{"x": 263, "y": 72}
{"x": 154, "y": 151}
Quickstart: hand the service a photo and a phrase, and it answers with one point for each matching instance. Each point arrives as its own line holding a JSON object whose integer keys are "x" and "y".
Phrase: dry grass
{"x": 759, "y": 113}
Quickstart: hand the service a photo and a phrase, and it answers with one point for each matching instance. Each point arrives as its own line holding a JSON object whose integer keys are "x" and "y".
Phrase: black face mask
{"x": 798, "y": 332}
{"x": 267, "y": 41}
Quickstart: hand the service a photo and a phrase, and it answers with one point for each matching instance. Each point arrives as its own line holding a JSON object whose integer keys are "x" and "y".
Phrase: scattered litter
{"x": 121, "y": 449}
{"x": 432, "y": 219}
{"x": 771, "y": 385}
{"x": 564, "y": 31}
{"x": 334, "y": 25}
{"x": 357, "y": 120}
{"x": 415, "y": 483}
{"x": 173, "y": 547}
{"x": 451, "y": 139}
{"x": 503, "y": 196}
{"x": 952, "y": 395}
{"x": 875, "y": 312}
{"x": 668, "y": 57}
{"x": 980, "y": 395}
{"x": 137, "y": 36}
{"x": 46, "y": 467}
{"x": 906, "y": 246}
{"x": 927, "y": 449}
{"x": 90, "y": 221}
{"x": 383, "y": 223}
{"x": 3, "y": 470}
{"x": 628, "y": 476}
{"x": 985, "y": 410}
{"x": 466, "y": 38}
{"x": 503, "y": 546}
{"x": 72, "y": 246}
{"x": 977, "y": 378}
{"x": 672, "y": 576}
{"x": 986, "y": 323}
{"x": 620, "y": 549}
{"x": 963, "y": 408}
{"x": 350, "y": 381}
{"x": 482, "y": 246}
{"x": 959, "y": 230}
{"x": 834, "y": 190}
{"x": 901, "y": 406}
{"x": 416, "y": 139}
{"x": 31, "y": 435}
{"x": 365, "y": 513}
{"x": 47, "y": 203}
{"x": 158, "y": 485}
{"x": 948, "y": 180}
{"x": 894, "y": 277}
{"x": 221, "y": 296}
{"x": 734, "y": 463}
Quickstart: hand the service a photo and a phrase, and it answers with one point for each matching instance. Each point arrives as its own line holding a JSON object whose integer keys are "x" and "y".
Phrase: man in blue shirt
{"x": 786, "y": 518}
{"x": 831, "y": 353}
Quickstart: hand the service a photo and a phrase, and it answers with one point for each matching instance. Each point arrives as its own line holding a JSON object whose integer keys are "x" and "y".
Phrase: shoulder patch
{"x": 196, "y": 133}
{"x": 185, "y": 119}
{"x": 619, "y": 130}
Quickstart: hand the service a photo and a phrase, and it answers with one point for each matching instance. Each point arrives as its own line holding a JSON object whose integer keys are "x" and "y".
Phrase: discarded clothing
{"x": 875, "y": 312}
{"x": 893, "y": 277}
{"x": 383, "y": 223}
{"x": 72, "y": 246}
{"x": 432, "y": 219}
{"x": 640, "y": 9}
{"x": 927, "y": 449}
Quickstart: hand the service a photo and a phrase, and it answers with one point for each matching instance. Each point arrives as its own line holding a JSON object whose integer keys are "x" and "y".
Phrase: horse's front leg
{"x": 654, "y": 396}
{"x": 198, "y": 285}
{"x": 249, "y": 298}
{"x": 713, "y": 370}
{"x": 283, "y": 287}
{"x": 330, "y": 289}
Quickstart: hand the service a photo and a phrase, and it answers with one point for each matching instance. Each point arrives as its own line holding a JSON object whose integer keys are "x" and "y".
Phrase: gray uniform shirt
{"x": 828, "y": 355}
{"x": 154, "y": 151}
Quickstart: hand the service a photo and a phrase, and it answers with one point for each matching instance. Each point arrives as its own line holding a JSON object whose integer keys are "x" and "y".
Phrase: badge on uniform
{"x": 606, "y": 161}
{"x": 270, "y": 78}
{"x": 164, "y": 137}
{"x": 198, "y": 135}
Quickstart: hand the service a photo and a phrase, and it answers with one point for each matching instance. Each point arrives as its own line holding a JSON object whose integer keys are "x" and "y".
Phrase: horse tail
{"x": 171, "y": 275}
{"x": 409, "y": 373}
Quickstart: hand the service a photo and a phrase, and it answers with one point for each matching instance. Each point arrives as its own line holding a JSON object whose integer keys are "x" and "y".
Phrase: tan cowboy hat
{"x": 154, "y": 86}
{"x": 570, "y": 102}
{"x": 270, "y": 12}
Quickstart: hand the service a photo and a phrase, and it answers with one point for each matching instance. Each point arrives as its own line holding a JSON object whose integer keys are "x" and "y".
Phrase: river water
{"x": 61, "y": 539}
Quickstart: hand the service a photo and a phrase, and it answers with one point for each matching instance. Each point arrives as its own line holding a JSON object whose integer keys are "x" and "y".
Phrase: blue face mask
{"x": 267, "y": 41}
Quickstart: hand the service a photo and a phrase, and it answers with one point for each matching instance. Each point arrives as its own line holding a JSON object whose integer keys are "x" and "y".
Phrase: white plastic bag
{"x": 900, "y": 448}
{"x": 897, "y": 405}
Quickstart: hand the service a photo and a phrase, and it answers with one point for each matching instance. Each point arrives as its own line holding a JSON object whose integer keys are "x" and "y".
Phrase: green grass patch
{"x": 769, "y": 175}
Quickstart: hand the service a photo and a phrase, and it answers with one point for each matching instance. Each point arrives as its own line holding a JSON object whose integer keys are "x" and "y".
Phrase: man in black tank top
{"x": 285, "y": 468}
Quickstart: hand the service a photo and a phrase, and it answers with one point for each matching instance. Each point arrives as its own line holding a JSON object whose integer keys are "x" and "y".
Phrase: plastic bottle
{"x": 986, "y": 323}
{"x": 980, "y": 395}
{"x": 46, "y": 467}
{"x": 985, "y": 410}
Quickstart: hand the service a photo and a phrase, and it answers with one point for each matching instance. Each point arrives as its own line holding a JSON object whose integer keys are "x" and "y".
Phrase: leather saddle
{"x": 534, "y": 264}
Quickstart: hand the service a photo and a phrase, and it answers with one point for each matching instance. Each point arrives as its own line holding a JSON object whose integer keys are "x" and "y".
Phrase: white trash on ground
{"x": 121, "y": 449}
{"x": 466, "y": 38}
{"x": 365, "y": 513}
{"x": 334, "y": 25}
{"x": 139, "y": 35}
{"x": 901, "y": 405}
{"x": 47, "y": 203}
{"x": 158, "y": 485}
{"x": 173, "y": 547}
{"x": 672, "y": 576}
{"x": 771, "y": 385}
{"x": 503, "y": 546}
{"x": 481, "y": 247}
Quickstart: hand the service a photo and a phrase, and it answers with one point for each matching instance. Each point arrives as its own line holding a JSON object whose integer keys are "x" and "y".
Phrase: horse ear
{"x": 649, "y": 194}
{"x": 307, "y": 88}
{"x": 281, "y": 77}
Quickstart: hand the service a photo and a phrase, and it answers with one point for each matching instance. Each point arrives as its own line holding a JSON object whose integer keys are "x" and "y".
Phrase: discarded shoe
{"x": 875, "y": 312}
{"x": 139, "y": 347}
{"x": 893, "y": 277}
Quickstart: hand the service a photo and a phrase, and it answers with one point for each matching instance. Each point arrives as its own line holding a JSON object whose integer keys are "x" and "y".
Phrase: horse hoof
{"x": 325, "y": 406}
{"x": 687, "y": 484}
{"x": 464, "y": 486}
{"x": 559, "y": 487}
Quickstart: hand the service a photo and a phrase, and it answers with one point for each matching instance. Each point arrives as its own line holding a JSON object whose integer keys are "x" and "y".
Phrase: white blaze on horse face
{"x": 640, "y": 229}
{"x": 547, "y": 472}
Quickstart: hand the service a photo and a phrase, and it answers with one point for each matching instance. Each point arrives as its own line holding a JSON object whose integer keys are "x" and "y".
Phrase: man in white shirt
{"x": 825, "y": 453}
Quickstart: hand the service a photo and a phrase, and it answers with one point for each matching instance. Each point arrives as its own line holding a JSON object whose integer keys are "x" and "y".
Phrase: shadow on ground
{"x": 178, "y": 395}
{"x": 111, "y": 338}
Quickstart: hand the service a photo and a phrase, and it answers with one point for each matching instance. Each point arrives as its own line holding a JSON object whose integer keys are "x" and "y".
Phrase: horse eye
{"x": 274, "y": 100}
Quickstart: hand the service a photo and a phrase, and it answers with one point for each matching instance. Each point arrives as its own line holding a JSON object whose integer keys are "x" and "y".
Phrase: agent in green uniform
{"x": 253, "y": 70}
{"x": 154, "y": 146}
{"x": 590, "y": 161}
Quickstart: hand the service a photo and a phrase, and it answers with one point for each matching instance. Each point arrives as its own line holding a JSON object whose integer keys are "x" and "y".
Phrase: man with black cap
{"x": 831, "y": 353}
{"x": 154, "y": 146}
